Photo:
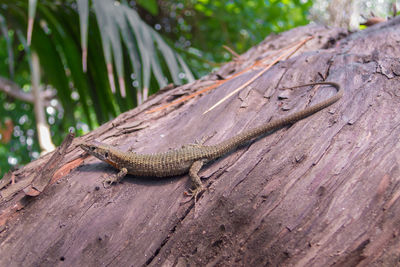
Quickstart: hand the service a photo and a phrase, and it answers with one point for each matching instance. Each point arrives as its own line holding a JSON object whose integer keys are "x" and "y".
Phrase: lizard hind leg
{"x": 196, "y": 182}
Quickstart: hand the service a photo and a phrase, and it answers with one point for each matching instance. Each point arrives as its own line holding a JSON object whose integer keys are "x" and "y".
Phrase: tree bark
{"x": 323, "y": 192}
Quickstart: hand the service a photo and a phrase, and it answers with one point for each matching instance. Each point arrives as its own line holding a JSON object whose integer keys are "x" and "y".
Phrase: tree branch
{"x": 12, "y": 89}
{"x": 42, "y": 127}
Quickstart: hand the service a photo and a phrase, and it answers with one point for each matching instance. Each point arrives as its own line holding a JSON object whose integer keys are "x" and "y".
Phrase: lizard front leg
{"x": 115, "y": 178}
{"x": 196, "y": 182}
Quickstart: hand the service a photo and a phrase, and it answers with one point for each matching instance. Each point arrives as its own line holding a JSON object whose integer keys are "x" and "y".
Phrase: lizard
{"x": 191, "y": 158}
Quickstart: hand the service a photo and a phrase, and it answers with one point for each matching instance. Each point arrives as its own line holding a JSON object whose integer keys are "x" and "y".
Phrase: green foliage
{"x": 204, "y": 26}
{"x": 150, "y": 5}
{"x": 119, "y": 45}
{"x": 15, "y": 114}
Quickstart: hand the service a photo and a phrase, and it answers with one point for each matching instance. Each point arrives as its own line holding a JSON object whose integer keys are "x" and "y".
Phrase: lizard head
{"x": 101, "y": 151}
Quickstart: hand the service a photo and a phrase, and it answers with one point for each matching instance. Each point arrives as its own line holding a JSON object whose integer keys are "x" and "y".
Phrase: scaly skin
{"x": 190, "y": 158}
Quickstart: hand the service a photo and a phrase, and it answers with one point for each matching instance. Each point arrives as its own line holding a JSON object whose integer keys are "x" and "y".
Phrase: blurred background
{"x": 73, "y": 65}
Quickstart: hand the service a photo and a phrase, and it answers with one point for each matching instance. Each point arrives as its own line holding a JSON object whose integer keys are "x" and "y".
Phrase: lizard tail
{"x": 240, "y": 139}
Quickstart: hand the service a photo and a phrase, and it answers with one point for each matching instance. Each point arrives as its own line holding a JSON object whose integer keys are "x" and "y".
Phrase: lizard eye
{"x": 106, "y": 154}
{"x": 92, "y": 148}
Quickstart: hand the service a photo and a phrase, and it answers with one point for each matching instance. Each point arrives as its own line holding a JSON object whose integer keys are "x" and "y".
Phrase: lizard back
{"x": 169, "y": 163}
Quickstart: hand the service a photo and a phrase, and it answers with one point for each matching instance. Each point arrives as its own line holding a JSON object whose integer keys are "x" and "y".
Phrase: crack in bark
{"x": 169, "y": 235}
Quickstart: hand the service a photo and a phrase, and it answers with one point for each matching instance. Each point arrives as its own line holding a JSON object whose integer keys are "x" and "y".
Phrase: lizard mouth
{"x": 111, "y": 163}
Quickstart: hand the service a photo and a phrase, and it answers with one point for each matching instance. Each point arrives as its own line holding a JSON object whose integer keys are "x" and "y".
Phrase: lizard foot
{"x": 114, "y": 178}
{"x": 194, "y": 193}
{"x": 109, "y": 181}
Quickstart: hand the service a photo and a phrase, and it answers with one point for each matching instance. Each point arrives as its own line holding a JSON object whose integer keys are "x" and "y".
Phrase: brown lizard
{"x": 190, "y": 158}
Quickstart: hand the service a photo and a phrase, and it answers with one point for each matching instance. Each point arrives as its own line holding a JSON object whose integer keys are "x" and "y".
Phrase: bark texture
{"x": 323, "y": 192}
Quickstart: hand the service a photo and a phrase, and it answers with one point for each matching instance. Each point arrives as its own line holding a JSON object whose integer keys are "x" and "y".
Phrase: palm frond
{"x": 83, "y": 58}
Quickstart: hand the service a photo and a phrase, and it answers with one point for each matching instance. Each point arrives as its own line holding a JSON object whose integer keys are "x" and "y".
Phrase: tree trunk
{"x": 324, "y": 191}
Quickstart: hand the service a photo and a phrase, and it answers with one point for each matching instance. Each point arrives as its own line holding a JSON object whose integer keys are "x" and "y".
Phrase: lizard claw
{"x": 193, "y": 193}
{"x": 109, "y": 181}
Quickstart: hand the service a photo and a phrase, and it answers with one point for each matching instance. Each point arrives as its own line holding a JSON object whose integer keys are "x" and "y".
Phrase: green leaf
{"x": 145, "y": 45}
{"x": 101, "y": 98}
{"x": 83, "y": 10}
{"x": 4, "y": 31}
{"x": 105, "y": 39}
{"x": 113, "y": 32}
{"x": 169, "y": 58}
{"x": 32, "y": 11}
{"x": 69, "y": 53}
{"x": 132, "y": 21}
{"x": 149, "y": 5}
{"x": 188, "y": 74}
{"x": 51, "y": 59}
